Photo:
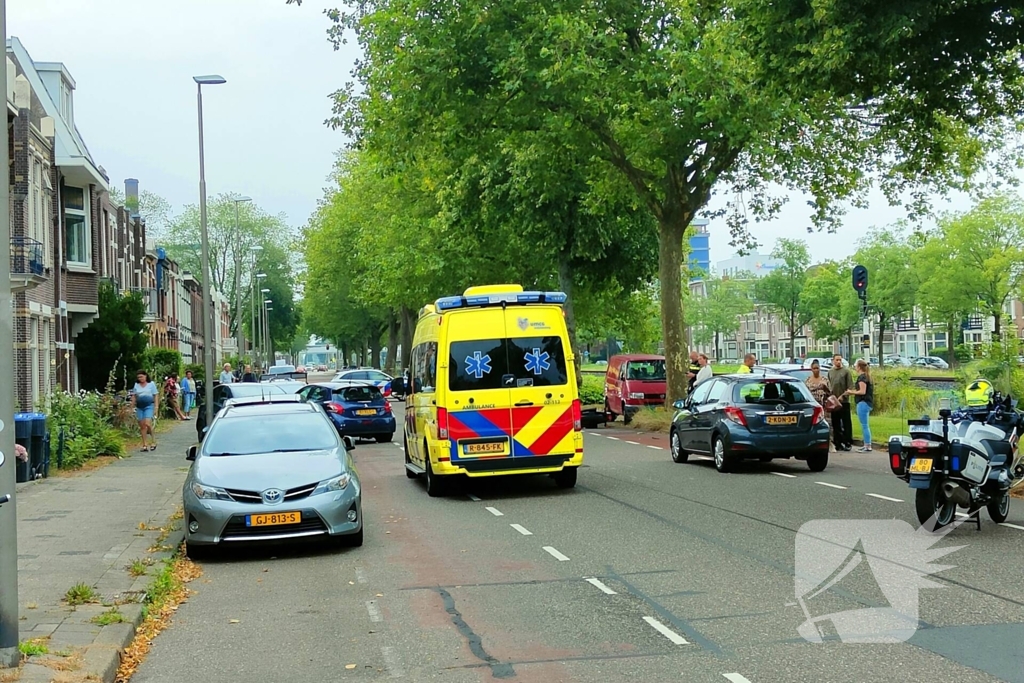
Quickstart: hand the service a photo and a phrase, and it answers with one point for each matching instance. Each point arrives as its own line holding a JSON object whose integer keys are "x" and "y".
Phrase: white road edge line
{"x": 360, "y": 575}
{"x": 783, "y": 474}
{"x": 521, "y": 529}
{"x": 666, "y": 631}
{"x": 600, "y": 585}
{"x": 391, "y": 663}
{"x": 495, "y": 511}
{"x": 473, "y": 498}
{"x": 555, "y": 554}
{"x": 881, "y": 497}
{"x": 614, "y": 438}
{"x": 635, "y": 443}
{"x": 831, "y": 486}
{"x": 374, "y": 611}
{"x": 657, "y": 448}
{"x": 737, "y": 678}
{"x": 1012, "y": 526}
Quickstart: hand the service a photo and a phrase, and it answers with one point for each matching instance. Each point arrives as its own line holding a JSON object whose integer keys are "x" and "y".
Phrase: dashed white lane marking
{"x": 521, "y": 529}
{"x": 881, "y": 497}
{"x": 666, "y": 631}
{"x": 374, "y": 611}
{"x": 783, "y": 474}
{"x": 737, "y": 678}
{"x": 472, "y": 497}
{"x": 831, "y": 486}
{"x": 391, "y": 663}
{"x": 555, "y": 554}
{"x": 962, "y": 514}
{"x": 495, "y": 511}
{"x": 657, "y": 448}
{"x": 360, "y": 575}
{"x": 601, "y": 586}
{"x": 614, "y": 438}
{"x": 635, "y": 443}
{"x": 1012, "y": 526}
{"x": 398, "y": 445}
{"x": 702, "y": 457}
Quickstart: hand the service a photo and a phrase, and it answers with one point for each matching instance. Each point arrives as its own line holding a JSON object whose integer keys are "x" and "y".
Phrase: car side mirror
{"x": 190, "y": 452}
{"x": 398, "y": 386}
{"x": 681, "y": 404}
{"x": 350, "y": 443}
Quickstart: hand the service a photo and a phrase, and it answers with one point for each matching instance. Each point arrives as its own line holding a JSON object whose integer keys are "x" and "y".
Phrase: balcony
{"x": 26, "y": 264}
{"x": 149, "y": 298}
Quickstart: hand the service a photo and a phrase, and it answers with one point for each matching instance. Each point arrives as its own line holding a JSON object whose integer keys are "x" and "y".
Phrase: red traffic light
{"x": 860, "y": 279}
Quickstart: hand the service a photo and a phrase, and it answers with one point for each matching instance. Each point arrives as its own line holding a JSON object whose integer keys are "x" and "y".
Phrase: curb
{"x": 102, "y": 658}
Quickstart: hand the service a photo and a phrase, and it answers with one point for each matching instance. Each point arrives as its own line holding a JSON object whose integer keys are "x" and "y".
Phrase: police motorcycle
{"x": 967, "y": 458}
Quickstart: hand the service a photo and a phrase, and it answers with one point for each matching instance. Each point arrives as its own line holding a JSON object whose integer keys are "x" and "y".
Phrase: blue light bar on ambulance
{"x": 449, "y": 303}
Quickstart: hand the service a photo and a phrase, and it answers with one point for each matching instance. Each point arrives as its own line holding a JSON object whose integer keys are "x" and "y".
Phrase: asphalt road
{"x": 648, "y": 570}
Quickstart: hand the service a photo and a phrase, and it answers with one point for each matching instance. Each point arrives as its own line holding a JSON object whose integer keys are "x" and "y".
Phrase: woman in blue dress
{"x": 145, "y": 398}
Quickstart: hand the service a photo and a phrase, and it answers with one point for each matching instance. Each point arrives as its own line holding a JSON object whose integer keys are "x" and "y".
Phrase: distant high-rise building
{"x": 700, "y": 249}
{"x": 757, "y": 265}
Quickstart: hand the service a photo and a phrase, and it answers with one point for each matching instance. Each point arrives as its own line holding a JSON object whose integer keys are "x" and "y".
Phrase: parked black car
{"x": 751, "y": 416}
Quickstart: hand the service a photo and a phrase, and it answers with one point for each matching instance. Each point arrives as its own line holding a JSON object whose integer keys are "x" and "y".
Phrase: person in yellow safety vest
{"x": 747, "y": 365}
{"x": 978, "y": 393}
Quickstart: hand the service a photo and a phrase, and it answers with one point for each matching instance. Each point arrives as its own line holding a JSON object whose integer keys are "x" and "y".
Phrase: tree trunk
{"x": 375, "y": 351}
{"x": 566, "y": 285}
{"x": 718, "y": 351}
{"x": 996, "y": 327}
{"x": 671, "y": 231}
{"x": 881, "y": 336}
{"x": 792, "y": 338}
{"x": 950, "y": 353}
{"x": 389, "y": 364}
{"x": 407, "y": 321}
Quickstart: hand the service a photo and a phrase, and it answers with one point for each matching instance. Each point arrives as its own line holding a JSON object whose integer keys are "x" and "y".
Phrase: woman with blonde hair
{"x": 865, "y": 396}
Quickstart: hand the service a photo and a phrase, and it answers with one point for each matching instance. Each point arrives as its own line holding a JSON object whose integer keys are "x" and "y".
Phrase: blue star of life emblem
{"x": 478, "y": 365}
{"x": 537, "y": 361}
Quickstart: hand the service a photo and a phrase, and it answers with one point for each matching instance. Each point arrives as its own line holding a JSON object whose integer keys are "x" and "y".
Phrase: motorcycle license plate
{"x": 921, "y": 466}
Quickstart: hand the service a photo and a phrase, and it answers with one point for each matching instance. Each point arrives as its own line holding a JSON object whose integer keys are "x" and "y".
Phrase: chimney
{"x": 131, "y": 196}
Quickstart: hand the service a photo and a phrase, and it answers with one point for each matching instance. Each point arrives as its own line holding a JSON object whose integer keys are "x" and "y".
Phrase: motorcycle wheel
{"x": 999, "y": 508}
{"x": 934, "y": 510}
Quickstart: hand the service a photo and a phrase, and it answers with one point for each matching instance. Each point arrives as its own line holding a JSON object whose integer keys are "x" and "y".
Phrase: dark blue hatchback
{"x": 356, "y": 410}
{"x": 751, "y": 416}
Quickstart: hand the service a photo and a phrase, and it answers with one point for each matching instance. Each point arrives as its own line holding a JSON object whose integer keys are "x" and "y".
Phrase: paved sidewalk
{"x": 87, "y": 529}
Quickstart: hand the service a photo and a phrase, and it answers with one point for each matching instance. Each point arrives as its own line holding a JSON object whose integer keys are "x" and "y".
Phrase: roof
{"x": 72, "y": 155}
{"x": 756, "y": 376}
{"x": 278, "y": 406}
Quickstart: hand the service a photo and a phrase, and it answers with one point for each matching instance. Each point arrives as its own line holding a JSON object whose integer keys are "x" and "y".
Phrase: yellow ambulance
{"x": 492, "y": 389}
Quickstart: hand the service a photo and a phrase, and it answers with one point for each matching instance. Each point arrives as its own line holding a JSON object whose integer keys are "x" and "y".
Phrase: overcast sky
{"x": 133, "y": 62}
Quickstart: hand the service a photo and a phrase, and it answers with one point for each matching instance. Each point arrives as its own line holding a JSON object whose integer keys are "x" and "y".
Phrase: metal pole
{"x": 207, "y": 284}
{"x": 239, "y": 337}
{"x": 266, "y": 336}
{"x": 252, "y": 312}
{"x": 9, "y": 654}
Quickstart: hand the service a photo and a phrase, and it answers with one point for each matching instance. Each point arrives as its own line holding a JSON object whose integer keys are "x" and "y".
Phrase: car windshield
{"x": 281, "y": 369}
{"x": 646, "y": 370}
{"x": 242, "y": 434}
{"x": 247, "y": 390}
{"x": 358, "y": 394}
{"x": 772, "y": 391}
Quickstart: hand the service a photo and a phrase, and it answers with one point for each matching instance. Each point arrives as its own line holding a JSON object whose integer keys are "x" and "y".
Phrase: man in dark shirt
{"x": 840, "y": 380}
{"x": 691, "y": 374}
{"x": 249, "y": 375}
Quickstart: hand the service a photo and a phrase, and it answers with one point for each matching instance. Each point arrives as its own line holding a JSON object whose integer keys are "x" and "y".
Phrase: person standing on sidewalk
{"x": 747, "y": 366}
{"x": 225, "y": 376}
{"x": 865, "y": 393}
{"x": 145, "y": 401}
{"x": 173, "y": 391}
{"x": 188, "y": 394}
{"x": 249, "y": 375}
{"x": 705, "y": 372}
{"x": 840, "y": 382}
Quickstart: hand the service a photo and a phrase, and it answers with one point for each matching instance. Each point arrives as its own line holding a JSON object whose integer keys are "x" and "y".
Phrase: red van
{"x": 633, "y": 381}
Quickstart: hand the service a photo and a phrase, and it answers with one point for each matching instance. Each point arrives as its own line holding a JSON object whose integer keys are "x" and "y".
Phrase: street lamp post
{"x": 208, "y": 332}
{"x": 267, "y": 308}
{"x": 252, "y": 308}
{"x": 239, "y": 336}
{"x": 263, "y": 327}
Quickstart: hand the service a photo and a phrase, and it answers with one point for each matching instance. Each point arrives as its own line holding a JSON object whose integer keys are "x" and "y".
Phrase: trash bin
{"x": 38, "y": 451}
{"x": 23, "y": 437}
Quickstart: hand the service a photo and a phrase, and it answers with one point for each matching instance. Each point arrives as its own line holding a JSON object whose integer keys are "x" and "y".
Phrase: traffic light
{"x": 860, "y": 280}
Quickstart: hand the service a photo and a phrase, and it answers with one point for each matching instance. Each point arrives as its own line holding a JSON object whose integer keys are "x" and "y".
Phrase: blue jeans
{"x": 190, "y": 401}
{"x": 863, "y": 411}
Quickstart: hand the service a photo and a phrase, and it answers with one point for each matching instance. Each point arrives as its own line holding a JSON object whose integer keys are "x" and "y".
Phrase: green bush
{"x": 592, "y": 391}
{"x": 160, "y": 363}
{"x": 940, "y": 351}
{"x": 87, "y": 422}
{"x": 895, "y": 394}
{"x": 997, "y": 362}
{"x": 963, "y": 353}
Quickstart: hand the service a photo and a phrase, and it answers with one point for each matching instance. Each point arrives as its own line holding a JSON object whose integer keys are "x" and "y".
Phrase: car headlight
{"x": 636, "y": 395}
{"x": 209, "y": 492}
{"x": 339, "y": 483}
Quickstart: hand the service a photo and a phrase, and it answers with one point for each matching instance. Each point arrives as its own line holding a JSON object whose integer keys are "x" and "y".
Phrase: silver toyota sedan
{"x": 271, "y": 471}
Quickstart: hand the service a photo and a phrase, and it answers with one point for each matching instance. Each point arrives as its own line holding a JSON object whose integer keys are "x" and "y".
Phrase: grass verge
{"x": 167, "y": 591}
{"x": 652, "y": 420}
{"x": 111, "y": 616}
{"x": 80, "y": 594}
{"x": 34, "y": 647}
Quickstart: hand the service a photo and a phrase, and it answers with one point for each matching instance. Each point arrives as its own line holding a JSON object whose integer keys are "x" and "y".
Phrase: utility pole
{"x": 9, "y": 653}
{"x": 239, "y": 336}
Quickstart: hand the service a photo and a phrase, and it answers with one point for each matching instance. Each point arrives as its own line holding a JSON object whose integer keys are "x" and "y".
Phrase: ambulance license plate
{"x": 484, "y": 448}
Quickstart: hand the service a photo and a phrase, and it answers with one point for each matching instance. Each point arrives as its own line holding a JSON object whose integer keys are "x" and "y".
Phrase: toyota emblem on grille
{"x": 272, "y": 496}
{"x": 781, "y": 408}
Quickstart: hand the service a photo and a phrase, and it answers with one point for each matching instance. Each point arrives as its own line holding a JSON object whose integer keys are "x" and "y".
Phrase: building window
{"x": 76, "y": 220}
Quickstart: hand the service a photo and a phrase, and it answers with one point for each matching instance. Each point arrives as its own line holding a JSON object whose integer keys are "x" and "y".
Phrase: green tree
{"x": 682, "y": 99}
{"x": 286, "y": 313}
{"x": 153, "y": 208}
{"x": 116, "y": 336}
{"x": 888, "y": 254}
{"x": 833, "y": 305}
{"x": 718, "y": 310}
{"x": 942, "y": 294}
{"x": 782, "y": 289}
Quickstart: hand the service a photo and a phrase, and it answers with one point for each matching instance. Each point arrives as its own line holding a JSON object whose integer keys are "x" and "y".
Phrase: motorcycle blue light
{"x": 956, "y": 463}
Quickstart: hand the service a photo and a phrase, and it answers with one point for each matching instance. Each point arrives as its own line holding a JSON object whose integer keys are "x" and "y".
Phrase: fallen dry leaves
{"x": 158, "y": 618}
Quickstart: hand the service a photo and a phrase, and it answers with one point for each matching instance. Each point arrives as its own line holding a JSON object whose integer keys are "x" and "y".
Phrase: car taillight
{"x": 442, "y": 424}
{"x": 577, "y": 415}
{"x": 818, "y": 416}
{"x": 736, "y": 415}
{"x": 387, "y": 407}
{"x": 334, "y": 408}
